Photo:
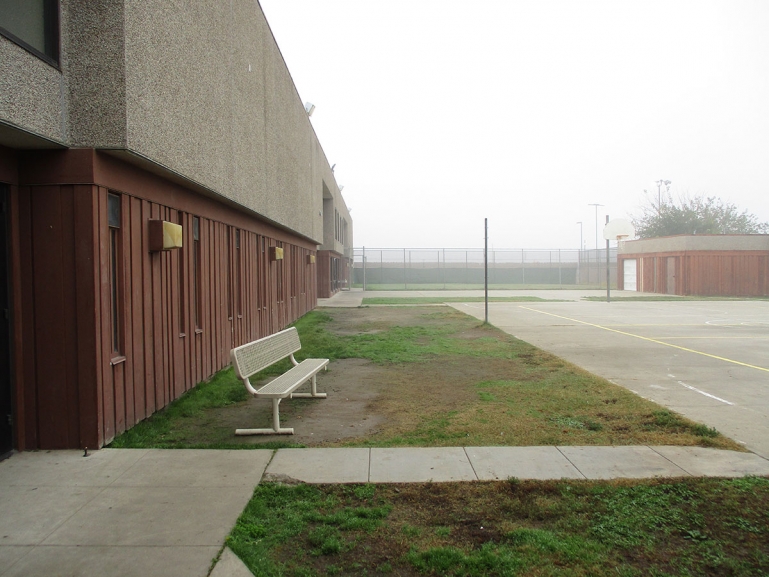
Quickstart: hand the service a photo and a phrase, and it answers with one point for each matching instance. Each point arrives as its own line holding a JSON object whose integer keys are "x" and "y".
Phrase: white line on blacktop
{"x": 696, "y": 390}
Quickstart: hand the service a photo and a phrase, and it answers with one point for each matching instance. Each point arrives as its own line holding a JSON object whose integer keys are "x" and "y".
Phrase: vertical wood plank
{"x": 108, "y": 391}
{"x": 137, "y": 311}
{"x": 147, "y": 312}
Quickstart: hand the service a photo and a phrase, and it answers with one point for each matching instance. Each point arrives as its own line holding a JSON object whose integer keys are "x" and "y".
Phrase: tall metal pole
{"x": 486, "y": 268}
{"x": 608, "y": 269}
{"x": 579, "y": 252}
{"x": 364, "y": 268}
{"x": 596, "y": 223}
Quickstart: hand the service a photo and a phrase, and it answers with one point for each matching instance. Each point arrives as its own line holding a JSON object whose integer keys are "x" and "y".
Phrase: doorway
{"x": 6, "y": 411}
{"x": 671, "y": 276}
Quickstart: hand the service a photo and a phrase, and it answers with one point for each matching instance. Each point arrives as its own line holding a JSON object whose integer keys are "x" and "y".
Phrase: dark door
{"x": 6, "y": 437}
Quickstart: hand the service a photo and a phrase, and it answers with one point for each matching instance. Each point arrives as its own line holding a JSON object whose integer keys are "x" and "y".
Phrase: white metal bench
{"x": 251, "y": 358}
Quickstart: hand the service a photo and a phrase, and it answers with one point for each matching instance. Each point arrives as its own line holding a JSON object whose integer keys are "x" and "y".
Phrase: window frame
{"x": 51, "y": 35}
{"x": 116, "y": 280}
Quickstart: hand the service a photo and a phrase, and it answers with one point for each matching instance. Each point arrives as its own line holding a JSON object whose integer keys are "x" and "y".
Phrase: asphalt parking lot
{"x": 708, "y": 360}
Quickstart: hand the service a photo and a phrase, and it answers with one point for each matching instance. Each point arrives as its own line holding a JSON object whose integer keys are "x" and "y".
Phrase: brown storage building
{"x": 705, "y": 265}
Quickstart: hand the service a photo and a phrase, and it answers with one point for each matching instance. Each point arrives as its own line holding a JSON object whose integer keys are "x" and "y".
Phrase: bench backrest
{"x": 253, "y": 357}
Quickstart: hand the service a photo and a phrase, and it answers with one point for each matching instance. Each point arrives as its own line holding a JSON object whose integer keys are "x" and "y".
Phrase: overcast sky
{"x": 440, "y": 113}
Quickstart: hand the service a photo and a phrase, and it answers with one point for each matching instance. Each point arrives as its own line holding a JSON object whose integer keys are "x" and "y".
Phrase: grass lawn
{"x": 577, "y": 528}
{"x": 444, "y": 379}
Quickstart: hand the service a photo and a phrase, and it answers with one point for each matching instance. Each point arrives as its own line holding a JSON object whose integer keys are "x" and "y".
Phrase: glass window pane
{"x": 113, "y": 210}
{"x": 34, "y": 22}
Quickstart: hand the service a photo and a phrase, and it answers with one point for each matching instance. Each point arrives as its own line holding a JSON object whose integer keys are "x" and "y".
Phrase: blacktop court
{"x": 146, "y": 512}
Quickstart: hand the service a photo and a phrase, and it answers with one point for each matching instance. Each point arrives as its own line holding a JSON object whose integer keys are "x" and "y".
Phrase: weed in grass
{"x": 748, "y": 484}
{"x": 744, "y": 525}
{"x": 631, "y": 516}
{"x": 354, "y": 518}
{"x": 325, "y": 540}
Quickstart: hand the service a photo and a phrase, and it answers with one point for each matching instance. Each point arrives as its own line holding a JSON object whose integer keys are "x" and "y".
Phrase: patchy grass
{"x": 445, "y": 379}
{"x": 580, "y": 528}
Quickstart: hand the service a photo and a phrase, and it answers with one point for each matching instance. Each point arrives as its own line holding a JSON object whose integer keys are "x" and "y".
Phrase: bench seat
{"x": 285, "y": 384}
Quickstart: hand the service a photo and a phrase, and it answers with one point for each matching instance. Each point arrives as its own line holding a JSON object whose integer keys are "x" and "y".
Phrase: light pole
{"x": 659, "y": 183}
{"x": 580, "y": 234}
{"x": 579, "y": 252}
{"x": 596, "y": 222}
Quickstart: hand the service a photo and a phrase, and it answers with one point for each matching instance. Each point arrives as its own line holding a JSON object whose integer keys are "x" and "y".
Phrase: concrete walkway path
{"x": 148, "y": 512}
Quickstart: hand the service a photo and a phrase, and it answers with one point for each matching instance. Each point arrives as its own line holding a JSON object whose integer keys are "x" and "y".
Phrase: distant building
{"x": 704, "y": 265}
{"x": 115, "y": 118}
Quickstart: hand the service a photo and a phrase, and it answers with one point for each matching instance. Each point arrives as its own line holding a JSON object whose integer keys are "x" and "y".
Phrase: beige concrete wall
{"x": 197, "y": 88}
{"x": 95, "y": 66}
{"x": 720, "y": 242}
{"x": 33, "y": 94}
{"x": 208, "y": 96}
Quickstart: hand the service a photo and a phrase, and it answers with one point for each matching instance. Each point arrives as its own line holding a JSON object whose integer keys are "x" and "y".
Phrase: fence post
{"x": 443, "y": 271}
{"x": 405, "y": 286}
{"x": 364, "y": 269}
{"x": 523, "y": 268}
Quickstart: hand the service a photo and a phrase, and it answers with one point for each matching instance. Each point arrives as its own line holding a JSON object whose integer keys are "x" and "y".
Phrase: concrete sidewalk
{"x": 354, "y": 297}
{"x": 147, "y": 512}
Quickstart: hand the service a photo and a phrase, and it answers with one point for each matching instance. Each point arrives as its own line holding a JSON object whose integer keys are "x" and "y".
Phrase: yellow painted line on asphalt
{"x": 650, "y": 340}
{"x": 717, "y": 338}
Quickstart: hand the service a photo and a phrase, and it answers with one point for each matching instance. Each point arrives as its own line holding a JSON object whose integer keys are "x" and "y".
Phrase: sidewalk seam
{"x": 471, "y": 464}
{"x": 570, "y": 462}
{"x": 671, "y": 461}
{"x": 267, "y": 466}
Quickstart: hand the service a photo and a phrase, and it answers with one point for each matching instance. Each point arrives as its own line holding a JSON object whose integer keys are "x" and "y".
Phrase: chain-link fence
{"x": 453, "y": 268}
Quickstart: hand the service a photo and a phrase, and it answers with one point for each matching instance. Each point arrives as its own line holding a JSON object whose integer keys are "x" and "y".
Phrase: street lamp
{"x": 580, "y": 234}
{"x": 596, "y": 222}
{"x": 659, "y": 183}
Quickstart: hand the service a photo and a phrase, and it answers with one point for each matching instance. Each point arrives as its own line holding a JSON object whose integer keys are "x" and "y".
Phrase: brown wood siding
{"x": 79, "y": 392}
{"x": 706, "y": 273}
{"x": 324, "y": 274}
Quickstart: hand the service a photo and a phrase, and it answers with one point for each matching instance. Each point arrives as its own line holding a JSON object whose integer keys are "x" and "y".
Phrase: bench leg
{"x": 314, "y": 392}
{"x": 276, "y": 430}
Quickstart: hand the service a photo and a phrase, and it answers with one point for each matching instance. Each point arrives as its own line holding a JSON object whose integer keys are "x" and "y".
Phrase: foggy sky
{"x": 439, "y": 113}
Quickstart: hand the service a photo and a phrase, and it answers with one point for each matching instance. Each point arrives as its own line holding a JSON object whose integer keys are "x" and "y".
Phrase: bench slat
{"x": 253, "y": 357}
{"x": 283, "y": 385}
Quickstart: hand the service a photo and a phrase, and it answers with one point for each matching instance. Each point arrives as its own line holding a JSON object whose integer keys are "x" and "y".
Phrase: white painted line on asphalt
{"x": 696, "y": 390}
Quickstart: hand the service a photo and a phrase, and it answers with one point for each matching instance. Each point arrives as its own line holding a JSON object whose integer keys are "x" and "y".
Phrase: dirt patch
{"x": 353, "y": 387}
{"x": 355, "y": 406}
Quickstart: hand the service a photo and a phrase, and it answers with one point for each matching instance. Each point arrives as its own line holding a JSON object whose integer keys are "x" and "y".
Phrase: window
{"x": 115, "y": 252}
{"x": 196, "y": 270}
{"x": 33, "y": 25}
{"x": 279, "y": 275}
{"x": 182, "y": 256}
{"x": 238, "y": 275}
